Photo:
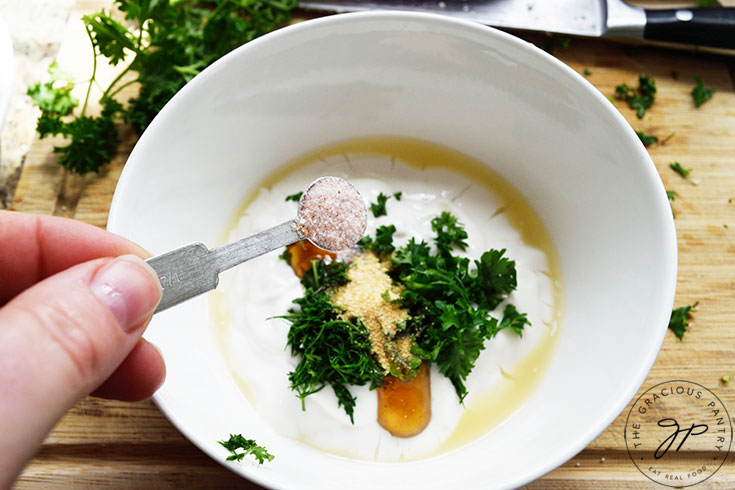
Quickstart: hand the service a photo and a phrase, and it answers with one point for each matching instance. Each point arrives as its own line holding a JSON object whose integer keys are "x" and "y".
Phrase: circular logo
{"x": 678, "y": 433}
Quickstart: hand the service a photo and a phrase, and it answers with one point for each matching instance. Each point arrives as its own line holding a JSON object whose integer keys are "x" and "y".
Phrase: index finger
{"x": 34, "y": 247}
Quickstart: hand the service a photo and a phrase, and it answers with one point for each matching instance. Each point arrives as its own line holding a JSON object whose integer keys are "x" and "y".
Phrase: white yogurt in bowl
{"x": 495, "y": 216}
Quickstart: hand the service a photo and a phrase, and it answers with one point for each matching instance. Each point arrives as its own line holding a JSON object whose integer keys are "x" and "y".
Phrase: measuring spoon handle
{"x": 194, "y": 269}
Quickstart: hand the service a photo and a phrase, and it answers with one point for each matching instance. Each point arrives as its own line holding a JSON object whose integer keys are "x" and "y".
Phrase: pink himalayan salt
{"x": 332, "y": 214}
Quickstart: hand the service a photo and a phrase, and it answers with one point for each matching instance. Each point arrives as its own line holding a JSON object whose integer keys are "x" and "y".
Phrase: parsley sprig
{"x": 646, "y": 139}
{"x": 641, "y": 98}
{"x": 246, "y": 447}
{"x": 449, "y": 233}
{"x": 382, "y": 244}
{"x": 679, "y": 323}
{"x": 378, "y": 208}
{"x": 700, "y": 93}
{"x": 170, "y": 43}
{"x": 679, "y": 169}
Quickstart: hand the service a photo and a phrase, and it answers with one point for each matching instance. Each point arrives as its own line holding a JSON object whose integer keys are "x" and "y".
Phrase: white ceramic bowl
{"x": 462, "y": 85}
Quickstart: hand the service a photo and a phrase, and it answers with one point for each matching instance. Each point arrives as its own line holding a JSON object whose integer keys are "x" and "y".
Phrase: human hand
{"x": 74, "y": 301}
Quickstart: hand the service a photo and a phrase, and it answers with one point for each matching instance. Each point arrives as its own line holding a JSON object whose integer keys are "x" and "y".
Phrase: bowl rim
{"x": 670, "y": 253}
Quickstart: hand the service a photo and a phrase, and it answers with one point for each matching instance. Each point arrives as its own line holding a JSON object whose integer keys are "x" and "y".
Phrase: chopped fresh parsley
{"x": 678, "y": 322}
{"x": 668, "y": 137}
{"x": 449, "y": 303}
{"x": 449, "y": 233}
{"x": 708, "y": 3}
{"x": 398, "y": 195}
{"x": 382, "y": 244}
{"x": 700, "y": 93}
{"x": 496, "y": 275}
{"x": 246, "y": 447}
{"x": 676, "y": 167}
{"x": 641, "y": 98}
{"x": 295, "y": 197}
{"x": 378, "y": 208}
{"x": 164, "y": 44}
{"x": 646, "y": 139}
{"x": 725, "y": 378}
{"x": 586, "y": 72}
{"x": 448, "y": 299}
{"x": 513, "y": 319}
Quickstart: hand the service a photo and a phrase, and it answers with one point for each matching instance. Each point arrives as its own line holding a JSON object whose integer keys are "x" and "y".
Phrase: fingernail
{"x": 129, "y": 288}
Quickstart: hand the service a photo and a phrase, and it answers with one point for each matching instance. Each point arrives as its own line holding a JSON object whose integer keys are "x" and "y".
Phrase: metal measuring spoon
{"x": 331, "y": 215}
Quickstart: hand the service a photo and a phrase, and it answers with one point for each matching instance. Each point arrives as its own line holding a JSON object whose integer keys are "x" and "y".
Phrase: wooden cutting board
{"x": 132, "y": 445}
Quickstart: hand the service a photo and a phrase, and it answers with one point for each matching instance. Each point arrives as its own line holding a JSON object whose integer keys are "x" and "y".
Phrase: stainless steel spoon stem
{"x": 194, "y": 269}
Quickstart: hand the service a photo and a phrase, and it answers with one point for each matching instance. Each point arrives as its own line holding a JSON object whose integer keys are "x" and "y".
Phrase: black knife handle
{"x": 714, "y": 27}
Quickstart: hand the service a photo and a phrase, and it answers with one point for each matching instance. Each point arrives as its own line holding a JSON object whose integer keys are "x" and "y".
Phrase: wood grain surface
{"x": 108, "y": 444}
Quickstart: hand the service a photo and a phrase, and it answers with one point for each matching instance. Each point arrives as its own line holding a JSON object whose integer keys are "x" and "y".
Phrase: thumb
{"x": 62, "y": 338}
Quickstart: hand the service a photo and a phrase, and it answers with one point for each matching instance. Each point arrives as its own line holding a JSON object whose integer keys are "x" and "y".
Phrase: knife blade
{"x": 593, "y": 18}
{"x": 578, "y": 17}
